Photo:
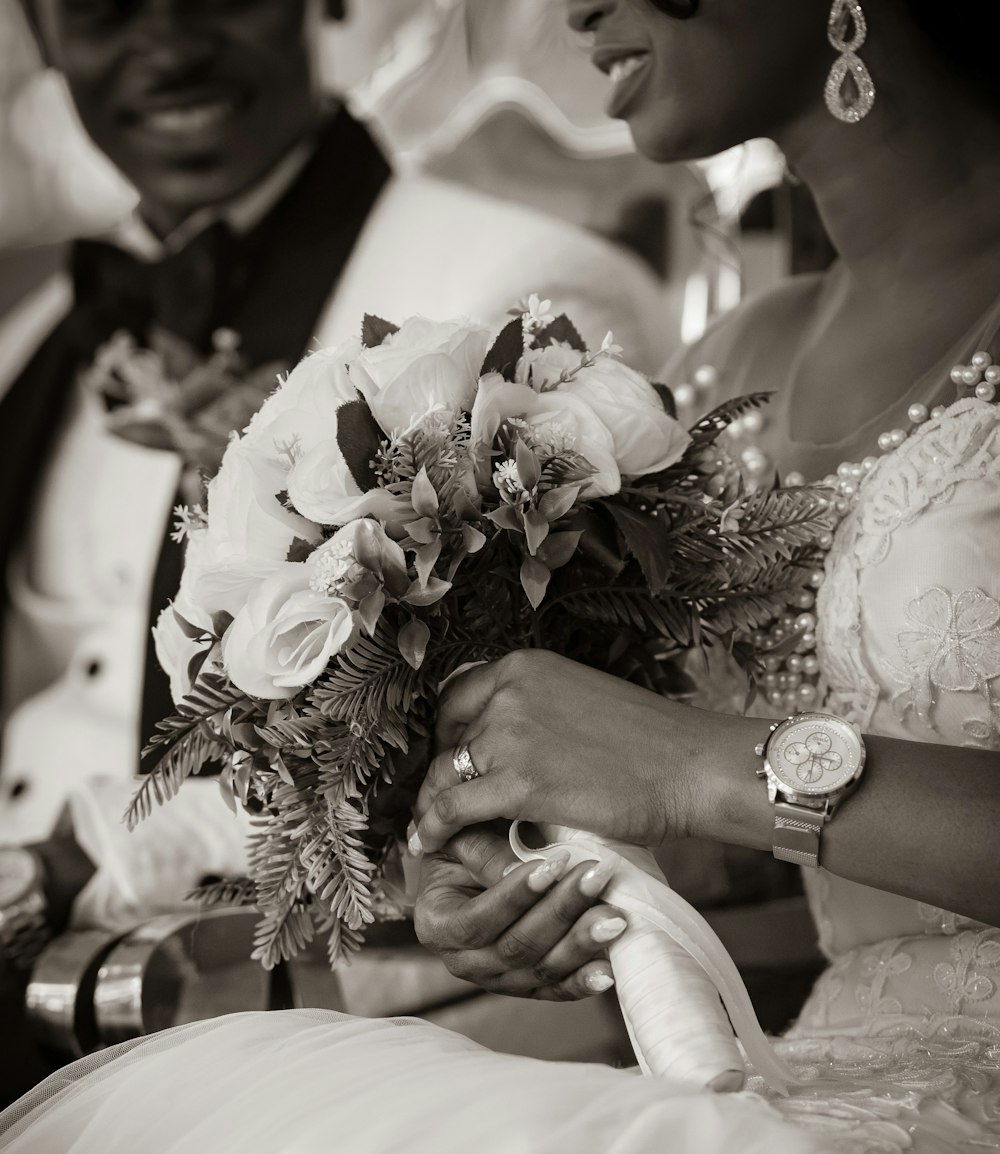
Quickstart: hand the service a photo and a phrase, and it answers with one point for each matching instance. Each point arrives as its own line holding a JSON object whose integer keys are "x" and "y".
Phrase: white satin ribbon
{"x": 670, "y": 972}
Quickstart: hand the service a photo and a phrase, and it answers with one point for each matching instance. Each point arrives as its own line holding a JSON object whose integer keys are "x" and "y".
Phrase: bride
{"x": 886, "y": 378}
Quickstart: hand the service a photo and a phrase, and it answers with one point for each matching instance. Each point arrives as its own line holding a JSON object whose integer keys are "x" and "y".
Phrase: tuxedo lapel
{"x": 290, "y": 266}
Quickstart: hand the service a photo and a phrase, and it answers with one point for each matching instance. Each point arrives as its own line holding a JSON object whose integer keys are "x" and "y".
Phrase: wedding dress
{"x": 897, "y": 1048}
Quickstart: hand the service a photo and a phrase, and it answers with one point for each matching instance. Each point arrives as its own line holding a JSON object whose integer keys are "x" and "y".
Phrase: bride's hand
{"x": 555, "y": 741}
{"x": 525, "y": 932}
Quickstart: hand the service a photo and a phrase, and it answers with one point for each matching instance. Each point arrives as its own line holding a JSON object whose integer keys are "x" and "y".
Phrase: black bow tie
{"x": 189, "y": 292}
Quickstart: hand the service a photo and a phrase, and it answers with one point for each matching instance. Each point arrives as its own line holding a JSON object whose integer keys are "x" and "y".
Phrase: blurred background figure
{"x": 259, "y": 216}
{"x": 482, "y": 167}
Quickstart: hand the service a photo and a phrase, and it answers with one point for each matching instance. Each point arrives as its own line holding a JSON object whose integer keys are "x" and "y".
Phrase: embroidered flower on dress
{"x": 954, "y": 646}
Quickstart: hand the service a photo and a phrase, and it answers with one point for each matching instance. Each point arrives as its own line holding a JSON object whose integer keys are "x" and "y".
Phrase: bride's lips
{"x": 627, "y": 68}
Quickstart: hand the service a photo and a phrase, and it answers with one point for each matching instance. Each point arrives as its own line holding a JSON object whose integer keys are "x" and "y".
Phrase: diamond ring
{"x": 464, "y": 765}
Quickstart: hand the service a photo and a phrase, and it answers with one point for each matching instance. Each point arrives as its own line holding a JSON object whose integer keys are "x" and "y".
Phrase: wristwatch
{"x": 811, "y": 762}
{"x": 24, "y": 928}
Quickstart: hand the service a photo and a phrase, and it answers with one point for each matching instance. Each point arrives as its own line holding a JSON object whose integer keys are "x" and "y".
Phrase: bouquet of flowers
{"x": 409, "y": 502}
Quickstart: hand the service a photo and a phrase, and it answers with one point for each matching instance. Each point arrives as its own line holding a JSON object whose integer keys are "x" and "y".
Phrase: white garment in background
{"x": 428, "y": 247}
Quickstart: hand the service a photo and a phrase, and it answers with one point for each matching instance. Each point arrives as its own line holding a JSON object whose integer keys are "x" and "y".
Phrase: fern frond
{"x": 228, "y": 892}
{"x": 281, "y": 934}
{"x": 369, "y": 681}
{"x": 188, "y": 755}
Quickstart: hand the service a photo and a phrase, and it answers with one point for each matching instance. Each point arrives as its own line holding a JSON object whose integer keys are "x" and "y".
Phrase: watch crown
{"x": 759, "y": 749}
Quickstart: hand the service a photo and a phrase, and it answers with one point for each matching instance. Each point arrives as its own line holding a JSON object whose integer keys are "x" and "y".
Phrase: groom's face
{"x": 194, "y": 100}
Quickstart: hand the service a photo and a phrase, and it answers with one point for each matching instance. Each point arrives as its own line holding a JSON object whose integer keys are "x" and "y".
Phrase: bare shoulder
{"x": 761, "y": 321}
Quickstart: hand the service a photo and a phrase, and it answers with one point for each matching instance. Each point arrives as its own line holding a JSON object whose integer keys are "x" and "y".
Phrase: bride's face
{"x": 734, "y": 70}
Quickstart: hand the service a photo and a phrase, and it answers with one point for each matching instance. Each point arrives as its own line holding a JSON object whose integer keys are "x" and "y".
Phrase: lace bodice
{"x": 905, "y": 1021}
{"x": 909, "y": 641}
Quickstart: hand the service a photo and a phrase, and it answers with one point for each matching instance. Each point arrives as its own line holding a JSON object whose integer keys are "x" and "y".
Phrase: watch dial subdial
{"x": 818, "y": 742}
{"x": 828, "y": 762}
{"x": 809, "y": 772}
{"x": 796, "y": 753}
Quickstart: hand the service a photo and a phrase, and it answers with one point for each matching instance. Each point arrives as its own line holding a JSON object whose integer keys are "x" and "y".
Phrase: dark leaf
{"x": 374, "y": 330}
{"x": 505, "y": 351}
{"x": 299, "y": 550}
{"x": 666, "y": 399}
{"x": 561, "y": 329}
{"x": 646, "y": 542}
{"x": 359, "y": 437}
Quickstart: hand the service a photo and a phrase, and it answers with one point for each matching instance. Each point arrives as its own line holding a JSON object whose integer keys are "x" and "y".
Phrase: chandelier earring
{"x": 850, "y": 90}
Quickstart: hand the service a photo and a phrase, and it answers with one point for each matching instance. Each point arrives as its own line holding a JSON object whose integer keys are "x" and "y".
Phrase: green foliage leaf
{"x": 534, "y": 580}
{"x": 412, "y": 641}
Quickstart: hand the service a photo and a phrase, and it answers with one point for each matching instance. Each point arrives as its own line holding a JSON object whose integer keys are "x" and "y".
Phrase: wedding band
{"x": 464, "y": 765}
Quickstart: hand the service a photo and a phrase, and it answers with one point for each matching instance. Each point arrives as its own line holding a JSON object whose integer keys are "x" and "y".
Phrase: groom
{"x": 264, "y": 212}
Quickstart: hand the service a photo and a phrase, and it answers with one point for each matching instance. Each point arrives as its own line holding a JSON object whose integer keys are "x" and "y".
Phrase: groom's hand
{"x": 516, "y": 928}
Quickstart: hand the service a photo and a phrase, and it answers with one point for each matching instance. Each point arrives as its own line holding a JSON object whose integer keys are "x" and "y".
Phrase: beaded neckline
{"x": 791, "y": 679}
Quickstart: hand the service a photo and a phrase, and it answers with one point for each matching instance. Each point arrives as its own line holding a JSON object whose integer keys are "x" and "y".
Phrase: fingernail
{"x": 549, "y": 872}
{"x": 599, "y": 982}
{"x": 510, "y": 869}
{"x": 596, "y": 878}
{"x": 607, "y": 929}
{"x": 414, "y": 844}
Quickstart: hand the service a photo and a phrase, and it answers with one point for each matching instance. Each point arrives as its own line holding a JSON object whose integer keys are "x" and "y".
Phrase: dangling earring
{"x": 850, "y": 90}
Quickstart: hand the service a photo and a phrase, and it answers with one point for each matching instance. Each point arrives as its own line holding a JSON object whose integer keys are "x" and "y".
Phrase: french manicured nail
{"x": 596, "y": 878}
{"x": 549, "y": 872}
{"x": 607, "y": 929}
{"x": 414, "y": 844}
{"x": 599, "y": 982}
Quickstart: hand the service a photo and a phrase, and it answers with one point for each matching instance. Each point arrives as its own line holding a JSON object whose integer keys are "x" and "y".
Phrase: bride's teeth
{"x": 622, "y": 68}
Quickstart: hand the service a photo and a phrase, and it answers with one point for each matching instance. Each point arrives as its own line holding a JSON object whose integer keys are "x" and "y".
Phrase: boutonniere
{"x": 166, "y": 395}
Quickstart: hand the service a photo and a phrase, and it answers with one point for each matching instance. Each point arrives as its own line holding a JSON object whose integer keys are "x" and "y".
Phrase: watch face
{"x": 17, "y": 875}
{"x": 815, "y": 753}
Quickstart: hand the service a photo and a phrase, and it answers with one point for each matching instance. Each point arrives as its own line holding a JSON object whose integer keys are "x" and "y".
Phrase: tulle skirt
{"x": 318, "y": 1082}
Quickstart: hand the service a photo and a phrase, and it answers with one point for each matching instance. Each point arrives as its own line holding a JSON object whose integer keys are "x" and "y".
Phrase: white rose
{"x": 322, "y": 488}
{"x": 647, "y": 439}
{"x": 175, "y": 647}
{"x": 303, "y": 411}
{"x": 358, "y": 559}
{"x": 249, "y": 530}
{"x": 555, "y": 422}
{"x": 425, "y": 363}
{"x": 285, "y": 635}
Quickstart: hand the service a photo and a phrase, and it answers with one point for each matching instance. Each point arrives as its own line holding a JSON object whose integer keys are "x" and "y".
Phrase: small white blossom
{"x": 536, "y": 313}
{"x": 188, "y": 519}
{"x": 507, "y": 481}
{"x": 334, "y": 566}
{"x": 608, "y": 346}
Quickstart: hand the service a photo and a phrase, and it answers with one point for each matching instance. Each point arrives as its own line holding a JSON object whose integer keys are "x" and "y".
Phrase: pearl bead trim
{"x": 791, "y": 671}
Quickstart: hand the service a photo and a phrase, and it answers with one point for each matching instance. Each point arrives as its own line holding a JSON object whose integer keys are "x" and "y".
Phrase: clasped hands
{"x": 553, "y": 741}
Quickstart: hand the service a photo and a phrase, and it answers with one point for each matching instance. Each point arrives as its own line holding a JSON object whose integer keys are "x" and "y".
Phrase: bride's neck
{"x": 911, "y": 190}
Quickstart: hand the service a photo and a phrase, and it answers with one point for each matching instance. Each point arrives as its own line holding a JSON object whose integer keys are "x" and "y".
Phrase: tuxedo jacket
{"x": 348, "y": 237}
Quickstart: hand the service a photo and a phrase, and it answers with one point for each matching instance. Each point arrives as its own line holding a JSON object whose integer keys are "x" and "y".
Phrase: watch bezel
{"x": 816, "y": 798}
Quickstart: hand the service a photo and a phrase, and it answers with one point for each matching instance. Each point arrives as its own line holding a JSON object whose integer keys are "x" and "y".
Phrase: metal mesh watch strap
{"x": 796, "y": 833}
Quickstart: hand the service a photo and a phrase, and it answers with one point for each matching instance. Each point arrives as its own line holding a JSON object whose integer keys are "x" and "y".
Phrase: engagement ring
{"x": 464, "y": 765}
